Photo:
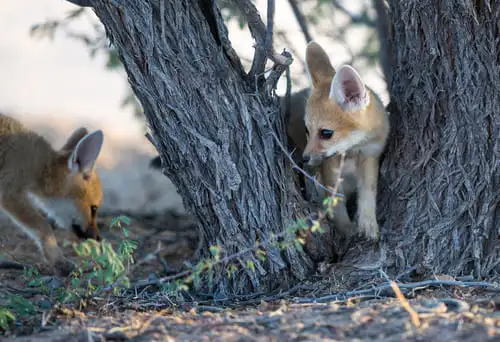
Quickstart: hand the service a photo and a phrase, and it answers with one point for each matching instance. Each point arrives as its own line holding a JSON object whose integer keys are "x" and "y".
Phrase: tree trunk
{"x": 213, "y": 130}
{"x": 440, "y": 177}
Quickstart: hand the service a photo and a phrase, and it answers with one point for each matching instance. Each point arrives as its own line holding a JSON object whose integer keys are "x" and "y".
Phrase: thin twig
{"x": 276, "y": 72}
{"x": 288, "y": 94}
{"x": 304, "y": 172}
{"x": 259, "y": 32}
{"x": 355, "y": 19}
{"x": 268, "y": 43}
{"x": 415, "y": 319}
{"x": 301, "y": 20}
{"x": 339, "y": 174}
{"x": 9, "y": 264}
{"x": 378, "y": 289}
{"x": 384, "y": 34}
{"x": 82, "y": 3}
{"x": 223, "y": 260}
{"x": 284, "y": 38}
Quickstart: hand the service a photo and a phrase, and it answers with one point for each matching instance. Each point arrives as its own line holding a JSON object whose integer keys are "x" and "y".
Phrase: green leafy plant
{"x": 17, "y": 306}
{"x": 6, "y": 319}
{"x": 107, "y": 267}
{"x": 32, "y": 277}
{"x": 21, "y": 306}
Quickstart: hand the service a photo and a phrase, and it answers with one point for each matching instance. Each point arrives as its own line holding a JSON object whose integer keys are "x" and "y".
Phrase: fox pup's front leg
{"x": 329, "y": 175}
{"x": 19, "y": 208}
{"x": 367, "y": 195}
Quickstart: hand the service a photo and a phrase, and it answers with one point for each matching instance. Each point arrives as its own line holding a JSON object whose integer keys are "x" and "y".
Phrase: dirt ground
{"x": 446, "y": 314}
{"x": 368, "y": 321}
{"x": 155, "y": 209}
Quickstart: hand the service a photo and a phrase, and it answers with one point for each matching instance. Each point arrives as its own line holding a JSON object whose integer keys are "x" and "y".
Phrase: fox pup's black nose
{"x": 306, "y": 159}
{"x": 90, "y": 233}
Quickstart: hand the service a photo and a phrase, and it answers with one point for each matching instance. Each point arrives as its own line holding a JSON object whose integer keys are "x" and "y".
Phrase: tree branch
{"x": 333, "y": 192}
{"x": 219, "y": 32}
{"x": 378, "y": 289}
{"x": 270, "y": 25}
{"x": 259, "y": 33}
{"x": 356, "y": 19}
{"x": 82, "y": 3}
{"x": 301, "y": 20}
{"x": 384, "y": 34}
{"x": 9, "y": 264}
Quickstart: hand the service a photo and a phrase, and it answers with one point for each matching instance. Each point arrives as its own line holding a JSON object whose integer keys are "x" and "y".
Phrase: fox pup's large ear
{"x": 319, "y": 69}
{"x": 75, "y": 137}
{"x": 86, "y": 152}
{"x": 348, "y": 90}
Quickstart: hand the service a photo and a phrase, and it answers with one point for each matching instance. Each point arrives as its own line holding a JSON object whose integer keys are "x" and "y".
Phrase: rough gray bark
{"x": 212, "y": 129}
{"x": 439, "y": 191}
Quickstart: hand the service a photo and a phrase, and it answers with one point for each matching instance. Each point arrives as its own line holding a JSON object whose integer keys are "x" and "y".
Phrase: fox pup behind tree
{"x": 344, "y": 116}
{"x": 63, "y": 184}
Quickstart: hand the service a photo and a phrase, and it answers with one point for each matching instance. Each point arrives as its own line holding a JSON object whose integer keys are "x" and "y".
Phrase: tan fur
{"x": 360, "y": 130}
{"x": 32, "y": 175}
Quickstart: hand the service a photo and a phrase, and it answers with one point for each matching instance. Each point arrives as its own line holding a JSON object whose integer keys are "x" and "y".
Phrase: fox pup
{"x": 36, "y": 178}
{"x": 343, "y": 115}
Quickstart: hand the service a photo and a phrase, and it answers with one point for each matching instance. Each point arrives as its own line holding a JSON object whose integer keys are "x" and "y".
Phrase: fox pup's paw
{"x": 64, "y": 267}
{"x": 368, "y": 226}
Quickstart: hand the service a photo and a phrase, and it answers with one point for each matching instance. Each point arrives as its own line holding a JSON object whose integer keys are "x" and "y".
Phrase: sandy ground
{"x": 450, "y": 314}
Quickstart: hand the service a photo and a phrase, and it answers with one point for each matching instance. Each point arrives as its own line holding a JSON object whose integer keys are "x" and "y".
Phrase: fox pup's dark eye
{"x": 326, "y": 134}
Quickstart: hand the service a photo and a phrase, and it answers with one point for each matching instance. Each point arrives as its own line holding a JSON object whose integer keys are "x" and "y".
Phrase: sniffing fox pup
{"x": 345, "y": 116}
{"x": 62, "y": 183}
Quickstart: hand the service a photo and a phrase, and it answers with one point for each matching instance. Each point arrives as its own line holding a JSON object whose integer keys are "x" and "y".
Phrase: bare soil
{"x": 446, "y": 314}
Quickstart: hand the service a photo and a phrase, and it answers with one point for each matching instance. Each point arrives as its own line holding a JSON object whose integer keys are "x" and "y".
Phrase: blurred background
{"x": 59, "y": 72}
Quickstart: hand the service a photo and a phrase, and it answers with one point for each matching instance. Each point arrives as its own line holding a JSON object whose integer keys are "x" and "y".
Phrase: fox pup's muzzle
{"x": 92, "y": 232}
{"x": 312, "y": 160}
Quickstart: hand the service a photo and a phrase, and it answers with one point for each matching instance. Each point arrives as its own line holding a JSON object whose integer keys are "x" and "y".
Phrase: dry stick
{"x": 268, "y": 42}
{"x": 356, "y": 19}
{"x": 83, "y": 3}
{"x": 225, "y": 259}
{"x": 301, "y": 20}
{"x": 333, "y": 193}
{"x": 339, "y": 174}
{"x": 415, "y": 319}
{"x": 378, "y": 289}
{"x": 9, "y": 264}
{"x": 279, "y": 66}
{"x": 258, "y": 32}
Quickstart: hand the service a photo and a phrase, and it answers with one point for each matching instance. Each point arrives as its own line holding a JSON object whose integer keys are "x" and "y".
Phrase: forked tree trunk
{"x": 440, "y": 178}
{"x": 438, "y": 198}
{"x": 213, "y": 131}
